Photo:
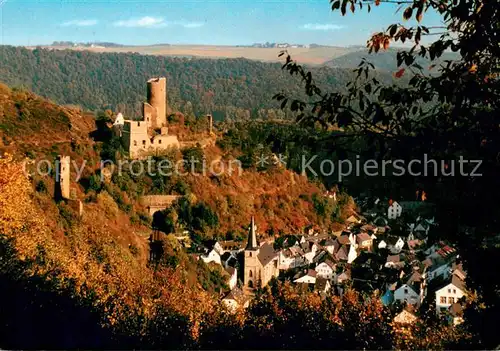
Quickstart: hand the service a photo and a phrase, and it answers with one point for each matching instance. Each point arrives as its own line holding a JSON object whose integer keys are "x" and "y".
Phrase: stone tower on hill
{"x": 62, "y": 184}
{"x": 155, "y": 109}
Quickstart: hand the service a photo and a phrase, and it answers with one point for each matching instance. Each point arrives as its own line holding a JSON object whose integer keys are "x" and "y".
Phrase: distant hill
{"x": 312, "y": 55}
{"x": 383, "y": 60}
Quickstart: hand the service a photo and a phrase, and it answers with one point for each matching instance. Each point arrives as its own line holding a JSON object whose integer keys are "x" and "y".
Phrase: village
{"x": 387, "y": 247}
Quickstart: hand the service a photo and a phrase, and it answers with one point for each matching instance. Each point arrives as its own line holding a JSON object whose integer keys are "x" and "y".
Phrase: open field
{"x": 311, "y": 56}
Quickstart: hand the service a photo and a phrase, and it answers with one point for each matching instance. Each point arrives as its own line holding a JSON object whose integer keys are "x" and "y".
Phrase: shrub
{"x": 107, "y": 202}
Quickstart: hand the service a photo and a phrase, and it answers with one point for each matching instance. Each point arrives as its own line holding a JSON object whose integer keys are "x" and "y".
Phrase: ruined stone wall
{"x": 150, "y": 115}
{"x": 139, "y": 144}
{"x": 154, "y": 203}
{"x": 135, "y": 138}
{"x": 163, "y": 142}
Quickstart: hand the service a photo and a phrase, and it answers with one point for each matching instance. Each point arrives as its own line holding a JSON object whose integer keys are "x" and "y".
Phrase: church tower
{"x": 251, "y": 262}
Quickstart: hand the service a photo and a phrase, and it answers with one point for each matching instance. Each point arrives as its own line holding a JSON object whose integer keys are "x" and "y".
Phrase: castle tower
{"x": 62, "y": 185}
{"x": 251, "y": 263}
{"x": 155, "y": 109}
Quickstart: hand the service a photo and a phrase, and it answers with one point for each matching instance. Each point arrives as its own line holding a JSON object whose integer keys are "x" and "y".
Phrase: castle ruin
{"x": 62, "y": 191}
{"x": 63, "y": 178}
{"x": 142, "y": 138}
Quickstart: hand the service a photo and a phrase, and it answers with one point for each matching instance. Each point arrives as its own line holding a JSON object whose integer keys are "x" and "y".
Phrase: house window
{"x": 449, "y": 291}
{"x": 144, "y": 142}
{"x": 135, "y": 142}
{"x": 451, "y": 300}
{"x": 406, "y": 291}
{"x": 138, "y": 124}
{"x": 159, "y": 141}
{"x": 442, "y": 299}
{"x": 250, "y": 274}
{"x": 454, "y": 291}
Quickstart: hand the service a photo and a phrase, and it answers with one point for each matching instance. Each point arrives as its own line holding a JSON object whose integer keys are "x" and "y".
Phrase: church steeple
{"x": 252, "y": 237}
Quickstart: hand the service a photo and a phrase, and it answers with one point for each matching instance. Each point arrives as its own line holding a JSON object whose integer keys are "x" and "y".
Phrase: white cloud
{"x": 145, "y": 22}
{"x": 155, "y": 22}
{"x": 324, "y": 27}
{"x": 80, "y": 23}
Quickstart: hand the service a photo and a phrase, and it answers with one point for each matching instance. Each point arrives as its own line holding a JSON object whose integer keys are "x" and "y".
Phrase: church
{"x": 260, "y": 261}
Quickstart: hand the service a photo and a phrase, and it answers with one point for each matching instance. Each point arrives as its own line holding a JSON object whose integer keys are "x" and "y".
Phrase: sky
{"x": 209, "y": 22}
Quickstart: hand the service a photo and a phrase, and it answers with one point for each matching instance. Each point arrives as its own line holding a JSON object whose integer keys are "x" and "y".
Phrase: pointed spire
{"x": 252, "y": 236}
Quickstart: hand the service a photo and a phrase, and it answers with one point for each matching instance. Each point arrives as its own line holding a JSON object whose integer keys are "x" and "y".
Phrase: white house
{"x": 382, "y": 244}
{"x": 456, "y": 313}
{"x": 394, "y": 210}
{"x": 233, "y": 277}
{"x": 325, "y": 269}
{"x": 451, "y": 292}
{"x": 119, "y": 121}
{"x": 421, "y": 228}
{"x": 342, "y": 277}
{"x": 291, "y": 258}
{"x": 331, "y": 246}
{"x": 406, "y": 293}
{"x": 352, "y": 240}
{"x": 394, "y": 244}
{"x": 364, "y": 241}
{"x": 218, "y": 248}
{"x": 308, "y": 277}
{"x": 322, "y": 285}
{"x": 437, "y": 267}
{"x": 353, "y": 219}
{"x": 394, "y": 261}
{"x": 235, "y": 299}
{"x": 352, "y": 254}
{"x": 310, "y": 250}
{"x": 309, "y": 256}
{"x": 211, "y": 256}
{"x": 342, "y": 254}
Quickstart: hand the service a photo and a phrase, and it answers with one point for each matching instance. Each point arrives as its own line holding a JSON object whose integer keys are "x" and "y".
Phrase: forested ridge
{"x": 228, "y": 88}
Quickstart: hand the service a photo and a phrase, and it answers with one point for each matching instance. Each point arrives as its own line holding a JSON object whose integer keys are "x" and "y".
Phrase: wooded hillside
{"x": 228, "y": 88}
